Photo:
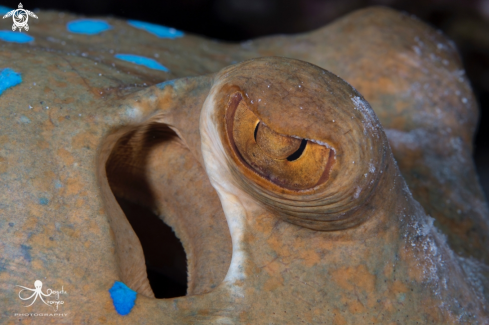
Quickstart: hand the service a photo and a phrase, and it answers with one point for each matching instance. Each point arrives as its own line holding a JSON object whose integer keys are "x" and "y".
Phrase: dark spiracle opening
{"x": 166, "y": 262}
{"x": 127, "y": 175}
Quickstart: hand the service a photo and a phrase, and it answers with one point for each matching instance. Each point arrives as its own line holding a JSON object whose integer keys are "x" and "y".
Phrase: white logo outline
{"x": 37, "y": 292}
{"x": 20, "y": 17}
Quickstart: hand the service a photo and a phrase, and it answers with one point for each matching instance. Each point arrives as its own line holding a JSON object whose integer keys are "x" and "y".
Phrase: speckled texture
{"x": 59, "y": 221}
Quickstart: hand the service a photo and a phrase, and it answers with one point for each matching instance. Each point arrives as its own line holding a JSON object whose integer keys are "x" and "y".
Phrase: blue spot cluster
{"x": 123, "y": 297}
{"x": 15, "y": 37}
{"x": 4, "y": 10}
{"x": 158, "y": 30}
{"x": 43, "y": 201}
{"x": 9, "y": 78}
{"x": 88, "y": 26}
{"x": 141, "y": 60}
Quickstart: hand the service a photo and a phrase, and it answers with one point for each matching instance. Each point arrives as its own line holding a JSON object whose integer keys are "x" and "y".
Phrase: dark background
{"x": 464, "y": 21}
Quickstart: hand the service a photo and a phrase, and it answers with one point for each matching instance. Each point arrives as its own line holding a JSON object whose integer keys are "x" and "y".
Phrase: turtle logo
{"x": 20, "y": 17}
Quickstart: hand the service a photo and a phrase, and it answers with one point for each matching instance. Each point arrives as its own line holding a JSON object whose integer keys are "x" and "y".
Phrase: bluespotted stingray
{"x": 319, "y": 178}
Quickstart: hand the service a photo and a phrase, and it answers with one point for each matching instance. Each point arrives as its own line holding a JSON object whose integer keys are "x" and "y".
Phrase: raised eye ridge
{"x": 304, "y": 153}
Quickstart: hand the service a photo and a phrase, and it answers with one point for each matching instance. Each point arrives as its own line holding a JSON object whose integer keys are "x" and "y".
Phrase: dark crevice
{"x": 165, "y": 258}
{"x": 256, "y": 130}
{"x": 166, "y": 262}
{"x": 299, "y": 151}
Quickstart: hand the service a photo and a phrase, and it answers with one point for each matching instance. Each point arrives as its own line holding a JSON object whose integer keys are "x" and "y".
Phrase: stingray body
{"x": 295, "y": 197}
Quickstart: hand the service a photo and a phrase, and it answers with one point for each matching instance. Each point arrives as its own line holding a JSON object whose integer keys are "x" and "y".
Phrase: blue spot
{"x": 3, "y": 265}
{"x": 141, "y": 60}
{"x": 26, "y": 252}
{"x": 25, "y": 119}
{"x": 87, "y": 26}
{"x": 9, "y": 78}
{"x": 123, "y": 297}
{"x": 162, "y": 85}
{"x": 15, "y": 37}
{"x": 11, "y": 224}
{"x": 158, "y": 30}
{"x": 4, "y": 10}
{"x": 43, "y": 201}
{"x": 58, "y": 184}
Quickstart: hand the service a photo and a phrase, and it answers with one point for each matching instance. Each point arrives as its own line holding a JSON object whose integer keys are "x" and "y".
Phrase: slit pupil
{"x": 256, "y": 130}
{"x": 299, "y": 151}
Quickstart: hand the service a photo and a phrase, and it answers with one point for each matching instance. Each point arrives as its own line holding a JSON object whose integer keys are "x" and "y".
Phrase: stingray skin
{"x": 380, "y": 220}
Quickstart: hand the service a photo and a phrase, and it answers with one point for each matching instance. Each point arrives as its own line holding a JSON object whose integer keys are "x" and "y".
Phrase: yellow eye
{"x": 295, "y": 138}
{"x": 292, "y": 163}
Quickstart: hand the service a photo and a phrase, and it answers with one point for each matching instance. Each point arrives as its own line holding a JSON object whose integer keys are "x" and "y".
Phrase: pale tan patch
{"x": 278, "y": 246}
{"x": 71, "y": 232}
{"x": 34, "y": 211}
{"x": 79, "y": 202}
{"x": 338, "y": 319}
{"x": 59, "y": 84}
{"x": 68, "y": 100}
{"x": 3, "y": 165}
{"x": 356, "y": 307}
{"x": 42, "y": 144}
{"x": 388, "y": 269}
{"x": 4, "y": 139}
{"x": 108, "y": 306}
{"x": 47, "y": 127}
{"x": 44, "y": 182}
{"x": 310, "y": 258}
{"x": 273, "y": 283}
{"x": 272, "y": 268}
{"x": 398, "y": 287}
{"x": 66, "y": 156}
{"x": 41, "y": 240}
{"x": 85, "y": 139}
{"x": 73, "y": 186}
{"x": 37, "y": 265}
{"x": 414, "y": 271}
{"x": 432, "y": 311}
{"x": 388, "y": 306}
{"x": 350, "y": 278}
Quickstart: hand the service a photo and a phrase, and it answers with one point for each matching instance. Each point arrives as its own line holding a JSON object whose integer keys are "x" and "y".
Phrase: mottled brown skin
{"x": 414, "y": 80}
{"x": 411, "y": 75}
{"x": 353, "y": 249}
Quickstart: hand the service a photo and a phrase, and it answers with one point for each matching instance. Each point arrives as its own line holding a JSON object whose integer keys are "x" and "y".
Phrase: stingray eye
{"x": 296, "y": 139}
{"x": 289, "y": 162}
